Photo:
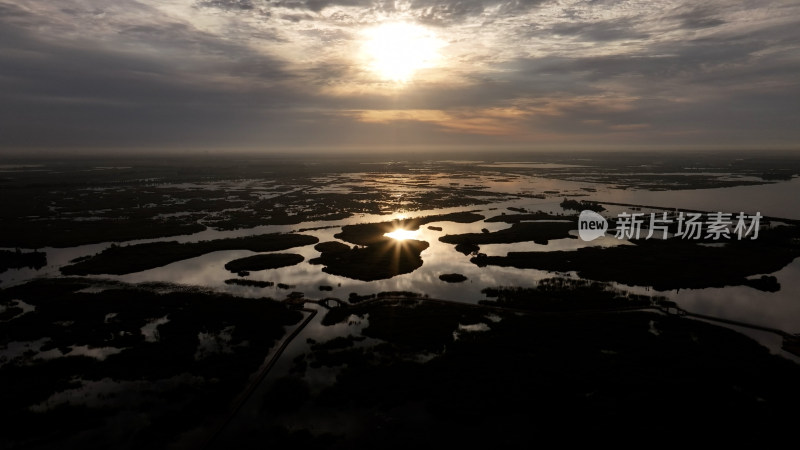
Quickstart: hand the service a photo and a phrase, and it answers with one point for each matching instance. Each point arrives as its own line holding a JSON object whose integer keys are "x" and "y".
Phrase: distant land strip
{"x": 120, "y": 260}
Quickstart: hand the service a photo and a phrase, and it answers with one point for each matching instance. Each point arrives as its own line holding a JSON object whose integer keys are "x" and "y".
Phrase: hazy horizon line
{"x": 414, "y": 152}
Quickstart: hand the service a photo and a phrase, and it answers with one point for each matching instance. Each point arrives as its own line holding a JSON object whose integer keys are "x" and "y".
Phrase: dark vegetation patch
{"x": 69, "y": 203}
{"x": 337, "y": 343}
{"x": 391, "y": 319}
{"x": 120, "y": 260}
{"x": 326, "y": 227}
{"x": 766, "y": 283}
{"x": 336, "y": 206}
{"x": 272, "y": 211}
{"x": 10, "y": 310}
{"x": 404, "y": 294}
{"x": 264, "y": 262}
{"x": 536, "y": 378}
{"x": 173, "y": 383}
{"x": 466, "y": 248}
{"x": 377, "y": 261}
{"x": 452, "y": 277}
{"x": 372, "y": 233}
{"x": 539, "y": 215}
{"x": 580, "y": 205}
{"x": 331, "y": 247}
{"x": 539, "y": 232}
{"x": 19, "y": 259}
{"x": 669, "y": 171}
{"x": 354, "y": 297}
{"x": 668, "y": 264}
{"x": 565, "y": 294}
{"x": 61, "y": 232}
{"x": 780, "y": 174}
{"x": 251, "y": 283}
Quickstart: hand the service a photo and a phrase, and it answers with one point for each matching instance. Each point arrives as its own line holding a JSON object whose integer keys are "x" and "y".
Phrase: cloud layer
{"x": 278, "y": 74}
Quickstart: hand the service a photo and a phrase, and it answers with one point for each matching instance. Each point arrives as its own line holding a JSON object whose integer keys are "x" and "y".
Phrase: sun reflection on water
{"x": 401, "y": 234}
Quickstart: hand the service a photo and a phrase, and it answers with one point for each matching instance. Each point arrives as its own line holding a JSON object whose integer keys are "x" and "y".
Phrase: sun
{"x": 401, "y": 234}
{"x": 396, "y": 51}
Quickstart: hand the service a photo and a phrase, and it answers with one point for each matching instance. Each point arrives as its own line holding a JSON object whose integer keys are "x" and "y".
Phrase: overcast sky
{"x": 293, "y": 74}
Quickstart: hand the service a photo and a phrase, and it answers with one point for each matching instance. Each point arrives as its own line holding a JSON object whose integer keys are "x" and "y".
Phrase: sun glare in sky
{"x": 396, "y": 51}
{"x": 401, "y": 234}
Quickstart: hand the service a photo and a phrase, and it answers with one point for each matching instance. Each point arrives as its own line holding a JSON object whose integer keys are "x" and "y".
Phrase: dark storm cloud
{"x": 12, "y": 12}
{"x": 249, "y": 73}
{"x": 79, "y": 68}
{"x": 76, "y": 93}
{"x": 182, "y": 36}
{"x": 319, "y": 5}
{"x": 441, "y": 11}
{"x": 245, "y": 5}
{"x": 699, "y": 17}
{"x": 444, "y": 12}
{"x": 726, "y": 59}
{"x": 435, "y": 12}
{"x": 607, "y": 30}
{"x": 296, "y": 17}
{"x": 13, "y": 15}
{"x": 434, "y": 9}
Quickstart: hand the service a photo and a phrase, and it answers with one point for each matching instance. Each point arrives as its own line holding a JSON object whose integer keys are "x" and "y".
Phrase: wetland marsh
{"x": 304, "y": 302}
